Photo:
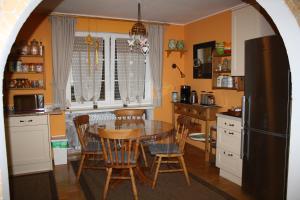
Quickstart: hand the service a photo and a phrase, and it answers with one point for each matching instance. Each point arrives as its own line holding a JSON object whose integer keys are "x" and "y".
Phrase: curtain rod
{"x": 108, "y": 18}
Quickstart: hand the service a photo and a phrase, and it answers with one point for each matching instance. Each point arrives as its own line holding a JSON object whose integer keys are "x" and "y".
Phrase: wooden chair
{"x": 165, "y": 152}
{"x": 120, "y": 150}
{"x": 132, "y": 116}
{"x": 90, "y": 147}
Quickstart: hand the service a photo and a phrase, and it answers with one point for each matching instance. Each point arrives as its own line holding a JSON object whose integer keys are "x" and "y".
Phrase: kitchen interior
{"x": 233, "y": 80}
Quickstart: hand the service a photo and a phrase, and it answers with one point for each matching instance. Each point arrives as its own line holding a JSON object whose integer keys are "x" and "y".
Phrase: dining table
{"x": 152, "y": 131}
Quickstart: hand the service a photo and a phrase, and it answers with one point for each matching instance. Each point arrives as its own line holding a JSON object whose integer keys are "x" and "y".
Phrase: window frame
{"x": 109, "y": 60}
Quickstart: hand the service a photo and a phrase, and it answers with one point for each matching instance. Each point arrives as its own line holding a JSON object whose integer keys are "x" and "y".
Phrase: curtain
{"x": 131, "y": 69}
{"x": 63, "y": 30}
{"x": 87, "y": 79}
{"x": 156, "y": 41}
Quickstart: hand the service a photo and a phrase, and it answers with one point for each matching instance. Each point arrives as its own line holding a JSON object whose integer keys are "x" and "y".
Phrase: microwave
{"x": 29, "y": 103}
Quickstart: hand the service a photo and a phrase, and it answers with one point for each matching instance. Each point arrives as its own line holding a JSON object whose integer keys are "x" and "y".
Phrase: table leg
{"x": 206, "y": 141}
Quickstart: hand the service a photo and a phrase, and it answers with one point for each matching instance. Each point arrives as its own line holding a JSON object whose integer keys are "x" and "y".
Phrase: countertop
{"x": 47, "y": 112}
{"x": 228, "y": 115}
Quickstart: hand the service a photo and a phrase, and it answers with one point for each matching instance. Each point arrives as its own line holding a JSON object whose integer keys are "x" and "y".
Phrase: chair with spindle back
{"x": 165, "y": 152}
{"x": 120, "y": 150}
{"x": 132, "y": 116}
{"x": 90, "y": 147}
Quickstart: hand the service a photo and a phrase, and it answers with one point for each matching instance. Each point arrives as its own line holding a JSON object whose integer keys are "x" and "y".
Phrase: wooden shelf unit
{"x": 29, "y": 75}
{"x": 181, "y": 51}
{"x": 221, "y": 66}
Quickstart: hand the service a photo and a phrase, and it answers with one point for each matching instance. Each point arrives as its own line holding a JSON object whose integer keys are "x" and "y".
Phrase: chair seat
{"x": 163, "y": 148}
{"x": 93, "y": 146}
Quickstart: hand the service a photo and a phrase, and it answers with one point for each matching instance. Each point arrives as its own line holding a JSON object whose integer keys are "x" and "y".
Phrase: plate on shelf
{"x": 197, "y": 136}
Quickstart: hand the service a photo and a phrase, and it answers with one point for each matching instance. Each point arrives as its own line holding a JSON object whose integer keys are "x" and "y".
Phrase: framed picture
{"x": 202, "y": 56}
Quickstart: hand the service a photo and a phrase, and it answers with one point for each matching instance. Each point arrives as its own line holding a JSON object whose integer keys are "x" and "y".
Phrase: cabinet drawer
{"x": 229, "y": 140}
{"x": 229, "y": 162}
{"x": 27, "y": 120}
{"x": 230, "y": 124}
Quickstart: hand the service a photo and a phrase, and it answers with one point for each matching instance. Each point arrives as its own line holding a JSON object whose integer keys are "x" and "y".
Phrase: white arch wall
{"x": 290, "y": 32}
{"x": 13, "y": 14}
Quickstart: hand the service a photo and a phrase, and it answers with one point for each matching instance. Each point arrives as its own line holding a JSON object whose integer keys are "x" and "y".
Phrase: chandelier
{"x": 138, "y": 34}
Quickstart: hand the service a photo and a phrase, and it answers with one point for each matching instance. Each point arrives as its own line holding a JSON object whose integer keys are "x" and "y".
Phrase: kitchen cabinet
{"x": 228, "y": 151}
{"x": 247, "y": 23}
{"x": 28, "y": 142}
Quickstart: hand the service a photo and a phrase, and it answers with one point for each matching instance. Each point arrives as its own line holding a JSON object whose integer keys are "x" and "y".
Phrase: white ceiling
{"x": 168, "y": 11}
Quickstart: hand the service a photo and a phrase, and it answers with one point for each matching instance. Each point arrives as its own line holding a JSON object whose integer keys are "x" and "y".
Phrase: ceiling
{"x": 166, "y": 11}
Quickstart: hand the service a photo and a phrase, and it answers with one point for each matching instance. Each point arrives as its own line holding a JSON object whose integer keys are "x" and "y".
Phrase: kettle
{"x": 194, "y": 97}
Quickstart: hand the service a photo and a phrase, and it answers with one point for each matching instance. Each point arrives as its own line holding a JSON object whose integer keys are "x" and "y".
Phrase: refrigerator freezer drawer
{"x": 230, "y": 162}
{"x": 229, "y": 140}
{"x": 234, "y": 125}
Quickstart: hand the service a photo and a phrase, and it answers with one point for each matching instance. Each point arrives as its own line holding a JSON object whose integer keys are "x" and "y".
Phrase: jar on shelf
{"x": 39, "y": 67}
{"x": 41, "y": 49}
{"x": 31, "y": 67}
{"x": 25, "y": 68}
{"x": 34, "y": 47}
{"x": 25, "y": 49}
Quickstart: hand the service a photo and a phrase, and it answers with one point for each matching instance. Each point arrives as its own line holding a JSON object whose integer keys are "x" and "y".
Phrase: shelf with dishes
{"x": 25, "y": 84}
{"x": 221, "y": 73}
{"x": 25, "y": 67}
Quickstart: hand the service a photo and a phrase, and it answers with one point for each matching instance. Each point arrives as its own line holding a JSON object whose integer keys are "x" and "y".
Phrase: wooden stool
{"x": 212, "y": 143}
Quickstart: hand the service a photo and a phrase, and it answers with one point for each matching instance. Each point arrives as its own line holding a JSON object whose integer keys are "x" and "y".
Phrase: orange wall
{"x": 217, "y": 27}
{"x": 38, "y": 27}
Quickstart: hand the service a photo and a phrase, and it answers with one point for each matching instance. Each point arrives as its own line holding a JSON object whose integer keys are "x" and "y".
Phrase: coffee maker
{"x": 185, "y": 94}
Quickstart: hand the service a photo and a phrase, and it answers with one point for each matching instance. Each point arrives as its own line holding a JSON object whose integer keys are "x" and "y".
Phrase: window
{"x": 111, "y": 75}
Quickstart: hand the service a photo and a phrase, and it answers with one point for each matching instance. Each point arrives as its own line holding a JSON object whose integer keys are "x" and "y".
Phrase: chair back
{"x": 129, "y": 114}
{"x": 183, "y": 123}
{"x": 120, "y": 147}
{"x": 182, "y": 140}
{"x": 81, "y": 124}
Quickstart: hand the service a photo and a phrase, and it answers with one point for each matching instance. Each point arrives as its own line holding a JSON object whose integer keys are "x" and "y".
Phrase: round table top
{"x": 150, "y": 129}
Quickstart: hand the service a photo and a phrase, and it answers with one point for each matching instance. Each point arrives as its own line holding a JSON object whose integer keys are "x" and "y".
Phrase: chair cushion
{"x": 119, "y": 154}
{"x": 163, "y": 148}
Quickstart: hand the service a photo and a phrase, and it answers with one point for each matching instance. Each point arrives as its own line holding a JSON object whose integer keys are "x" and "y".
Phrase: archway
{"x": 14, "y": 14}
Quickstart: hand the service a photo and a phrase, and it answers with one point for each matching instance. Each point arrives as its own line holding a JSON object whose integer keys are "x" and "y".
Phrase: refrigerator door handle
{"x": 242, "y": 144}
{"x": 243, "y": 110}
{"x": 248, "y": 128}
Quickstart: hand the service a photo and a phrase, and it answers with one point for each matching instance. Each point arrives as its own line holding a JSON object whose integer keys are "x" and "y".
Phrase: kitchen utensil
{"x": 194, "y": 97}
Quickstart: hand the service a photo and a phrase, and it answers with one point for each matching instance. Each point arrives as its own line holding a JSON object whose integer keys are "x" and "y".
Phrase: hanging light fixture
{"x": 138, "y": 34}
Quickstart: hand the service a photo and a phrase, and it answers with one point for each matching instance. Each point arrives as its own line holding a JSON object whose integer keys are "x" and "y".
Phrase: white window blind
{"x": 121, "y": 76}
{"x": 130, "y": 68}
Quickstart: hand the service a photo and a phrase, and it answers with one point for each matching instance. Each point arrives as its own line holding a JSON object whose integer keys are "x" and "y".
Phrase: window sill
{"x": 109, "y": 108}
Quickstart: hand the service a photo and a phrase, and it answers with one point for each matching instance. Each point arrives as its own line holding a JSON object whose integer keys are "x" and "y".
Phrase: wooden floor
{"x": 68, "y": 188}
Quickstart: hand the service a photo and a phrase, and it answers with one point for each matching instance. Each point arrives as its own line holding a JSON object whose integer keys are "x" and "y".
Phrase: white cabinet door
{"x": 28, "y": 144}
{"x": 247, "y": 23}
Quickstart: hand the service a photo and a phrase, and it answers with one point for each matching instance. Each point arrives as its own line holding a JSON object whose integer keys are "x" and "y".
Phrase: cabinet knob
{"x": 230, "y": 133}
{"x": 231, "y": 124}
{"x": 22, "y": 121}
{"x": 230, "y": 154}
{"x": 30, "y": 120}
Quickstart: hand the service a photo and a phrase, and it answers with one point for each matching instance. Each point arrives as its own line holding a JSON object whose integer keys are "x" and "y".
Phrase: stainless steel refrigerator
{"x": 266, "y": 118}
